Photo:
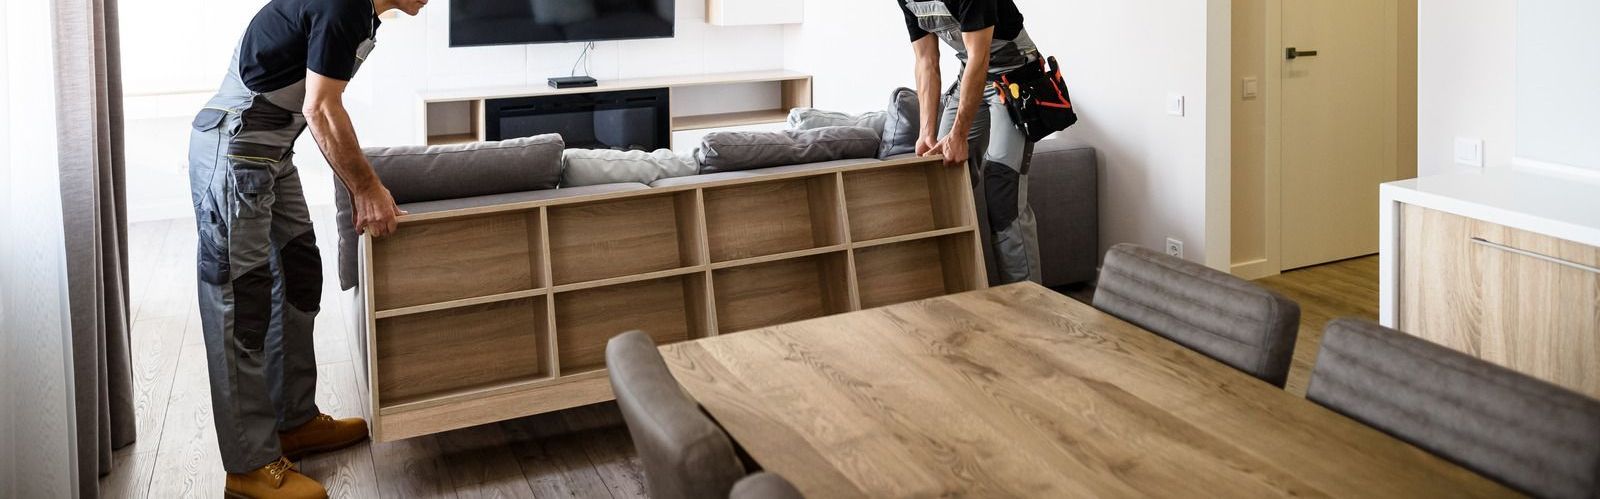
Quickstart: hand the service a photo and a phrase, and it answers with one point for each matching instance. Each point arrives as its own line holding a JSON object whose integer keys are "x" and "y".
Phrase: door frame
{"x": 1272, "y": 86}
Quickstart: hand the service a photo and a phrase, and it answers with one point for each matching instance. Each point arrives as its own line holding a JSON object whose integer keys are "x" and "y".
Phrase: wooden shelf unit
{"x": 485, "y": 314}
{"x": 458, "y": 116}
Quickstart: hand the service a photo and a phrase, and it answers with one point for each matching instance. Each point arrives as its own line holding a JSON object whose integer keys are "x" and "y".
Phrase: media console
{"x": 693, "y": 102}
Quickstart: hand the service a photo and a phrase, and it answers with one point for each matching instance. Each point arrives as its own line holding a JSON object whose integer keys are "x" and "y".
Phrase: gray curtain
{"x": 89, "y": 131}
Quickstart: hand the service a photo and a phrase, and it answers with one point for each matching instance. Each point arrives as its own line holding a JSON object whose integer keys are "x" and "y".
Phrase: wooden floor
{"x": 583, "y": 452}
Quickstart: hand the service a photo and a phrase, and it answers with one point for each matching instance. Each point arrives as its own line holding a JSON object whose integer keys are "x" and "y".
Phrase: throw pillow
{"x": 900, "y": 129}
{"x": 605, "y": 166}
{"x": 806, "y": 118}
{"x": 734, "y": 151}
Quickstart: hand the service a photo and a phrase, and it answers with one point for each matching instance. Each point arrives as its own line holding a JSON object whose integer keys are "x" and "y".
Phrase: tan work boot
{"x": 277, "y": 479}
{"x": 322, "y": 434}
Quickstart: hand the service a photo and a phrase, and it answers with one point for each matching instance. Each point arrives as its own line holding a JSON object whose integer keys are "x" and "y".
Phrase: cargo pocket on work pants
{"x": 249, "y": 247}
{"x": 213, "y": 258}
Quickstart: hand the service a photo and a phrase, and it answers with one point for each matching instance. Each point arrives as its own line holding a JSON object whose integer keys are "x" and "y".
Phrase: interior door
{"x": 1338, "y": 121}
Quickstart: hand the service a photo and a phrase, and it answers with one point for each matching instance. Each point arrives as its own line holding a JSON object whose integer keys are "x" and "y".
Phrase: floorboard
{"x": 583, "y": 452}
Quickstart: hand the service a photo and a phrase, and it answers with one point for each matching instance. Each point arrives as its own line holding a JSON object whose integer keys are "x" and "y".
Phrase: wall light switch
{"x": 1469, "y": 152}
{"x": 1175, "y": 104}
{"x": 1252, "y": 88}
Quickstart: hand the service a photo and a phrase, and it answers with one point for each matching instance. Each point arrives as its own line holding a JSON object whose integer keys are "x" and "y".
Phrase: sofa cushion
{"x": 415, "y": 174}
{"x": 1063, "y": 187}
{"x": 606, "y": 166}
{"x": 734, "y": 151}
{"x": 806, "y": 118}
{"x": 715, "y": 177}
{"x": 901, "y": 124}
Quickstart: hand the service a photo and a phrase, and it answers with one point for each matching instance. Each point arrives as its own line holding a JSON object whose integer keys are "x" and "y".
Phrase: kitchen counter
{"x": 1503, "y": 264}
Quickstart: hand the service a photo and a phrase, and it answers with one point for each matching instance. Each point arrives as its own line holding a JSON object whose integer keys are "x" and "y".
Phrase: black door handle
{"x": 1291, "y": 53}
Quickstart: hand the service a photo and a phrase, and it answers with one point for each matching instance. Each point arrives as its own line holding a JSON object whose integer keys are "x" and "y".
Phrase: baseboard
{"x": 1254, "y": 269}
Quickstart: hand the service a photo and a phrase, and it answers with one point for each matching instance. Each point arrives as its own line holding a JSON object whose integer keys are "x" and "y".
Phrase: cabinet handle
{"x": 1540, "y": 256}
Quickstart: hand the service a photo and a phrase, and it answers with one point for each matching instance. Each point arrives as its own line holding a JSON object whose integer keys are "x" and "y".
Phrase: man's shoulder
{"x": 345, "y": 10}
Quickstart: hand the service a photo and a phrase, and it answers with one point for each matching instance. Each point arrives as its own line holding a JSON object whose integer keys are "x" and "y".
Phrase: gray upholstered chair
{"x": 1531, "y": 435}
{"x": 1227, "y": 318}
{"x": 684, "y": 453}
{"x": 764, "y": 485}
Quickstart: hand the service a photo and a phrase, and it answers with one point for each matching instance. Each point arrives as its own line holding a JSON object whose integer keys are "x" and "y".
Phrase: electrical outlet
{"x": 1175, "y": 247}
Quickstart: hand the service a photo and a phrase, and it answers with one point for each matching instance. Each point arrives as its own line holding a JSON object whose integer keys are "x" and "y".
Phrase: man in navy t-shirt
{"x": 259, "y": 269}
{"x": 969, "y": 123}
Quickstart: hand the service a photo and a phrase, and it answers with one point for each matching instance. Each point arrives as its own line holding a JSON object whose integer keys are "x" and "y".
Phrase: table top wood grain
{"x": 1019, "y": 391}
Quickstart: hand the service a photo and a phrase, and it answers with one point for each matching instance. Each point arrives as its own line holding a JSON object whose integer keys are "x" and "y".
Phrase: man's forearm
{"x": 928, "y": 98}
{"x": 335, "y": 135}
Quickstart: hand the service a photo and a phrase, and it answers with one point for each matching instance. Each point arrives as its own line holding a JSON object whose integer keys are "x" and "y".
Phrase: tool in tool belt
{"x": 1036, "y": 98}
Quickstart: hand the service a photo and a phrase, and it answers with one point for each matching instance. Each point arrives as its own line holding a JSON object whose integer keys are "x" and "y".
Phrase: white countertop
{"x": 1556, "y": 206}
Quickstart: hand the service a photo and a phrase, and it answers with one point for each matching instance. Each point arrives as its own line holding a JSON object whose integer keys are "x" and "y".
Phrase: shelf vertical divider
{"x": 371, "y": 323}
{"x": 547, "y": 281}
{"x": 842, "y": 215}
{"x": 694, "y": 240}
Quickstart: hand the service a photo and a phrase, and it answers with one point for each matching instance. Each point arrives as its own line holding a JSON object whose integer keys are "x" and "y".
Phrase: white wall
{"x": 1160, "y": 175}
{"x": 36, "y": 435}
{"x": 412, "y": 55}
{"x": 1466, "y": 81}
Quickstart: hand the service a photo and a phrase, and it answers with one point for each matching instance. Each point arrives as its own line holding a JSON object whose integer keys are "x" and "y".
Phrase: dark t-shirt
{"x": 1011, "y": 47}
{"x": 974, "y": 15}
{"x": 287, "y": 37}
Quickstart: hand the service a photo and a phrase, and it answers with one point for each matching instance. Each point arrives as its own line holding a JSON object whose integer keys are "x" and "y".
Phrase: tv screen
{"x": 503, "y": 22}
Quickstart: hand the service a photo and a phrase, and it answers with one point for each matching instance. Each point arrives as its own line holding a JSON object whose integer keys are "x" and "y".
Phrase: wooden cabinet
{"x": 486, "y": 314}
{"x": 1513, "y": 297}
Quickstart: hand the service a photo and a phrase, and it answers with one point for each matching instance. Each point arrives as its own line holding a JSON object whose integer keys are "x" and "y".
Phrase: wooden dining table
{"x": 1018, "y": 391}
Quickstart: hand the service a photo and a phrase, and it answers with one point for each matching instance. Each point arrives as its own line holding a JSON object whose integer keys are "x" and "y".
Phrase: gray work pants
{"x": 260, "y": 280}
{"x": 999, "y": 158}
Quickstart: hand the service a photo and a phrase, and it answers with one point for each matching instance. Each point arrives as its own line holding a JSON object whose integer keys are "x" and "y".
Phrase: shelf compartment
{"x": 620, "y": 237}
{"x": 774, "y": 217}
{"x": 434, "y": 354}
{"x": 888, "y": 202}
{"x": 670, "y": 310}
{"x": 900, "y": 272}
{"x": 766, "y": 294}
{"x": 455, "y": 259}
{"x": 725, "y": 120}
{"x": 453, "y": 122}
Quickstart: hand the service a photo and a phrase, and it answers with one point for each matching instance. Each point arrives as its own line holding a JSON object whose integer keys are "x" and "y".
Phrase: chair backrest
{"x": 1524, "y": 432}
{"x": 684, "y": 453}
{"x": 1227, "y": 318}
{"x": 764, "y": 485}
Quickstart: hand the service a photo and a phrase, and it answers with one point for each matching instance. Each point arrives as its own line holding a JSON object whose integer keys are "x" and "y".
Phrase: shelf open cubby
{"x": 498, "y": 312}
{"x": 768, "y": 218}
{"x": 670, "y": 309}
{"x": 778, "y": 292}
{"x": 920, "y": 268}
{"x": 441, "y": 353}
{"x": 625, "y": 236}
{"x": 908, "y": 199}
{"x": 457, "y": 259}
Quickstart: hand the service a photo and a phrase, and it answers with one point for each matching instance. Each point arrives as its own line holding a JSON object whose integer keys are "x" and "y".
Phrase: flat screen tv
{"x": 506, "y": 22}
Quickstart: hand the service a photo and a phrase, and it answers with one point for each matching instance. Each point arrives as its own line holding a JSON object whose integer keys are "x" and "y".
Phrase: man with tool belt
{"x": 989, "y": 39}
{"x": 259, "y": 270}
